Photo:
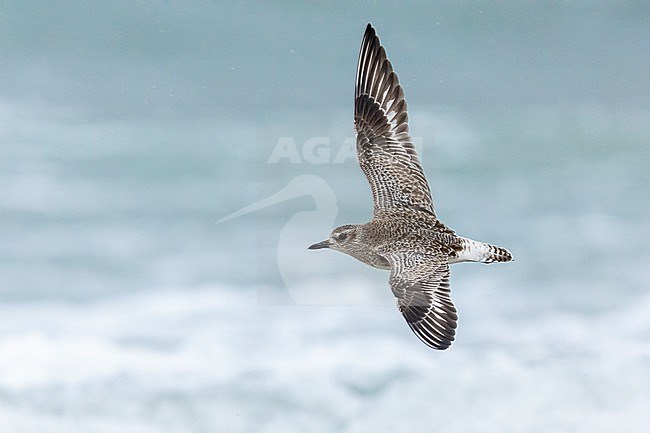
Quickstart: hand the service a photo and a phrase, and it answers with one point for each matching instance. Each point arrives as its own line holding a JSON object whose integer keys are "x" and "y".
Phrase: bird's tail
{"x": 474, "y": 251}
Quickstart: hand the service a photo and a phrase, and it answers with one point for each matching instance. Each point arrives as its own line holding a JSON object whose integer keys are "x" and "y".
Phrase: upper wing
{"x": 384, "y": 147}
{"x": 420, "y": 282}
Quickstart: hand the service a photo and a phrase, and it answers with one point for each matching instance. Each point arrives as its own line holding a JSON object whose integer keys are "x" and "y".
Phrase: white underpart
{"x": 474, "y": 251}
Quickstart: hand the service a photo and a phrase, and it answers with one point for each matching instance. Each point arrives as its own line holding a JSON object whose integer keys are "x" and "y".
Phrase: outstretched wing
{"x": 384, "y": 147}
{"x": 420, "y": 282}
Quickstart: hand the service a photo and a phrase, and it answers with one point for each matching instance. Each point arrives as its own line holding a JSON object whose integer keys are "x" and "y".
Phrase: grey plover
{"x": 404, "y": 236}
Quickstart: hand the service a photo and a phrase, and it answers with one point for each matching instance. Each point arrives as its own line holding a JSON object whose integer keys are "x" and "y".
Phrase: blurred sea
{"x": 128, "y": 131}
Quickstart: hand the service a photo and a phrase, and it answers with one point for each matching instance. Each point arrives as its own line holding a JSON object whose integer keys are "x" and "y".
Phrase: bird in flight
{"x": 404, "y": 236}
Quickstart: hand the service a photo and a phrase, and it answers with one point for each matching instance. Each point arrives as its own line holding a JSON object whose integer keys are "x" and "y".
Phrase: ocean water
{"x": 163, "y": 167}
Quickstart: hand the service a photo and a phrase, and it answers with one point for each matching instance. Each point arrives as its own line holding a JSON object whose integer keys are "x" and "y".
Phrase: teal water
{"x": 128, "y": 130}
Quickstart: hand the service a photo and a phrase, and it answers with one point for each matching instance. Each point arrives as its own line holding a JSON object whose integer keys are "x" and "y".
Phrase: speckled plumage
{"x": 404, "y": 235}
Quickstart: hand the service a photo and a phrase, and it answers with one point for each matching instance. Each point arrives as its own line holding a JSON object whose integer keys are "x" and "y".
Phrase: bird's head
{"x": 340, "y": 238}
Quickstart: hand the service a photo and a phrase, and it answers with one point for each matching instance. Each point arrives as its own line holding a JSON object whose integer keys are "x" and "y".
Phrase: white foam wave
{"x": 212, "y": 359}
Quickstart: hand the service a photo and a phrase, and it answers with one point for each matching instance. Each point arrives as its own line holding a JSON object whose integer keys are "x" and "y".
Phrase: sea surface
{"x": 164, "y": 166}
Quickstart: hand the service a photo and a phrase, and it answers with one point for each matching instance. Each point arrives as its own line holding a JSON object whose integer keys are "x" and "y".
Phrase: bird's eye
{"x": 343, "y": 236}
